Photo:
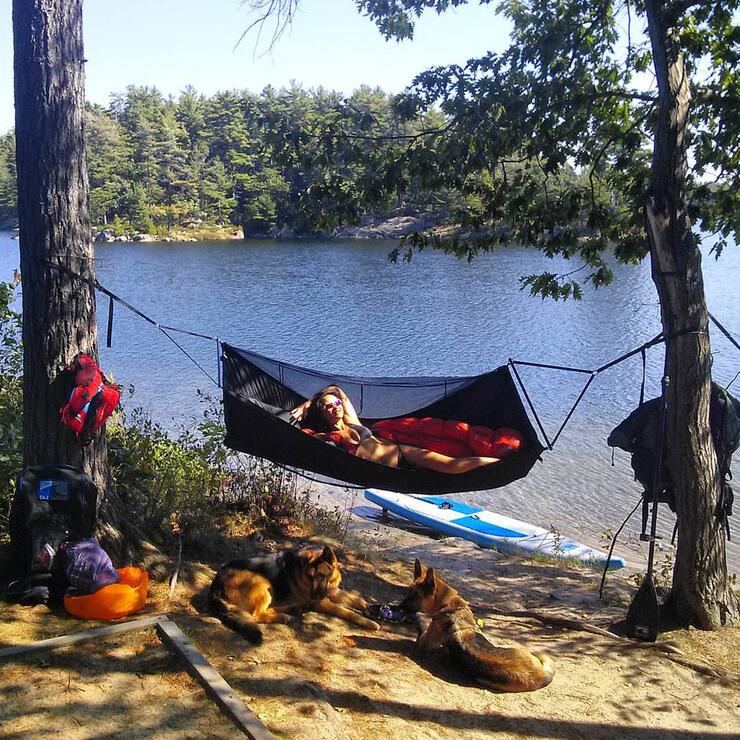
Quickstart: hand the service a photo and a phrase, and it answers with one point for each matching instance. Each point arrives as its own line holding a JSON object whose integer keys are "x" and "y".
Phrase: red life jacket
{"x": 92, "y": 400}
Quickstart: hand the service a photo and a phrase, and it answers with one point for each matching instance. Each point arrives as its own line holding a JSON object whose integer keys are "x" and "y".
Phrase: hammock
{"x": 259, "y": 394}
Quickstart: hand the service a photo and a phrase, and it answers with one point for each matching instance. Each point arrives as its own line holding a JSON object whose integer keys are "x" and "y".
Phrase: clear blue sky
{"x": 172, "y": 43}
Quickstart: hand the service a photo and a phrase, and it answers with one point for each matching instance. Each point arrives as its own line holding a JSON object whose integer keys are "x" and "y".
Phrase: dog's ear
{"x": 417, "y": 569}
{"x": 329, "y": 555}
{"x": 430, "y": 583}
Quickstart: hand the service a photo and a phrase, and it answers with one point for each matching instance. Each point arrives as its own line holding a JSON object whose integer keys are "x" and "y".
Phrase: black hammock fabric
{"x": 259, "y": 394}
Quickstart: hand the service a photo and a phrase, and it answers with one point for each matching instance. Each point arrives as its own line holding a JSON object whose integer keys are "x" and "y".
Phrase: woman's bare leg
{"x": 443, "y": 463}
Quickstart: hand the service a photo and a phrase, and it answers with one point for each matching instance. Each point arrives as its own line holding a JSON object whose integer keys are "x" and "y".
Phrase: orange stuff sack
{"x": 113, "y": 601}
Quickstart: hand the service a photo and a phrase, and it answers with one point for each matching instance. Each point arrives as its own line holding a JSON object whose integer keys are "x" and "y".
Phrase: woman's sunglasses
{"x": 332, "y": 404}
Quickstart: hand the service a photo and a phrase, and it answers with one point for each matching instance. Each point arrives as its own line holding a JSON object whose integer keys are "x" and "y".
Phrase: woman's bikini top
{"x": 364, "y": 434}
{"x": 339, "y": 440}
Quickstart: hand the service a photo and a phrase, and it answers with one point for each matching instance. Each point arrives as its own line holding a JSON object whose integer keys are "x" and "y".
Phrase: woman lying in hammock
{"x": 331, "y": 417}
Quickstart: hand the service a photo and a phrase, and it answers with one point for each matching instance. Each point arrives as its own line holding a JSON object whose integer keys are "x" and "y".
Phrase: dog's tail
{"x": 233, "y": 617}
{"x": 548, "y": 669}
{"x": 516, "y": 670}
{"x": 528, "y": 675}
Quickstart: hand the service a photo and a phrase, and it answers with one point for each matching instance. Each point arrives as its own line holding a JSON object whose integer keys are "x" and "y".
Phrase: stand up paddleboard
{"x": 487, "y": 529}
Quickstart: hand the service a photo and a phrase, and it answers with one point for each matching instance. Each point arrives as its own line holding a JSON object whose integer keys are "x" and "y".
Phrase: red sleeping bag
{"x": 449, "y": 437}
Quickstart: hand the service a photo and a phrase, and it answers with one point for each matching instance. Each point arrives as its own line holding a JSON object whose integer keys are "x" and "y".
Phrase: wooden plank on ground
{"x": 83, "y": 636}
{"x": 213, "y": 682}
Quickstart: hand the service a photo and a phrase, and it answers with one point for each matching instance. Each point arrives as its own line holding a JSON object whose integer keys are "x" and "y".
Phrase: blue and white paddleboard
{"x": 486, "y": 528}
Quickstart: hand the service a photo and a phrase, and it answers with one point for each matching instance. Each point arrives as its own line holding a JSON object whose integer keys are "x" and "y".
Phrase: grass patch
{"x": 207, "y": 233}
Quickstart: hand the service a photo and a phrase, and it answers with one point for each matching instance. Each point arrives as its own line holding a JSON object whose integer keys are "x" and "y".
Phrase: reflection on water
{"x": 342, "y": 307}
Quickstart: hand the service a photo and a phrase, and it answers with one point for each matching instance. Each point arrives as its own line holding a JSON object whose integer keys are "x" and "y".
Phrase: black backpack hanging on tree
{"x": 643, "y": 615}
{"x": 639, "y": 434}
{"x": 724, "y": 420}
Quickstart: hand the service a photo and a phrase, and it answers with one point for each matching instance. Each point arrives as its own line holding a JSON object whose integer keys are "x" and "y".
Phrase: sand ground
{"x": 324, "y": 678}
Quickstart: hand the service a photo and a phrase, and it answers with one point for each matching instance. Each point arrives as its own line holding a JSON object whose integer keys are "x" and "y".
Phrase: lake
{"x": 340, "y": 306}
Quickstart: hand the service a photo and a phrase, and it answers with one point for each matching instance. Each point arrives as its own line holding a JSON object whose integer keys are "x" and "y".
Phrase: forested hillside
{"x": 283, "y": 160}
{"x": 7, "y": 178}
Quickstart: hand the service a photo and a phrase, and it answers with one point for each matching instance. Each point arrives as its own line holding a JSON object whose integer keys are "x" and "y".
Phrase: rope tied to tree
{"x": 592, "y": 373}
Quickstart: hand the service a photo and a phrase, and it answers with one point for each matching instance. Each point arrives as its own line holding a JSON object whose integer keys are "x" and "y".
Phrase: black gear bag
{"x": 638, "y": 435}
{"x": 52, "y": 504}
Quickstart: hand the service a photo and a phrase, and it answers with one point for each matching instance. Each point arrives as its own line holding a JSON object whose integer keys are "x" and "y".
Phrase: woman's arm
{"x": 299, "y": 412}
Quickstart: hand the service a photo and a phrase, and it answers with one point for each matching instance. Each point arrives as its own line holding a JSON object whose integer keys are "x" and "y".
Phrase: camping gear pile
{"x": 54, "y": 552}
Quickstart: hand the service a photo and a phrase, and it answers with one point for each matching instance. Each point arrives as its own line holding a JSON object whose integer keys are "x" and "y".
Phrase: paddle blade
{"x": 643, "y": 616}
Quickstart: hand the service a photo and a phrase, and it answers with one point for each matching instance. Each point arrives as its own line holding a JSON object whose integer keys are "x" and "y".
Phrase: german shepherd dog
{"x": 444, "y": 620}
{"x": 272, "y": 588}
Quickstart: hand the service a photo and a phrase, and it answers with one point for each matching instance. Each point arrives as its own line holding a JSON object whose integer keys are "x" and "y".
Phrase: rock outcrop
{"x": 390, "y": 228}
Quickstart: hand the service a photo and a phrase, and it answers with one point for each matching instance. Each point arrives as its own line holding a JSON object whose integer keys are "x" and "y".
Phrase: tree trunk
{"x": 58, "y": 310}
{"x": 701, "y": 592}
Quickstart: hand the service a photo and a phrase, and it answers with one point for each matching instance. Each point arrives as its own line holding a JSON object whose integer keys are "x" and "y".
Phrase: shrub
{"x": 11, "y": 397}
{"x": 188, "y": 482}
{"x": 160, "y": 478}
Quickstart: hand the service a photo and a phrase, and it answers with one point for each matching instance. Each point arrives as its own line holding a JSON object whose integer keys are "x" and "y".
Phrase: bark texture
{"x": 58, "y": 311}
{"x": 701, "y": 592}
{"x": 59, "y": 317}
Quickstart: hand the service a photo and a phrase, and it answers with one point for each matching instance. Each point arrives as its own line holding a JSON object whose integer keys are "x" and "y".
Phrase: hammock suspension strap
{"x": 165, "y": 329}
{"x": 109, "y": 334}
{"x": 724, "y": 331}
{"x": 658, "y": 339}
{"x": 513, "y": 365}
{"x": 94, "y": 283}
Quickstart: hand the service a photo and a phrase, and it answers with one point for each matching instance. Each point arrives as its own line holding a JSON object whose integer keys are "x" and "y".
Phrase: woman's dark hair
{"x": 314, "y": 418}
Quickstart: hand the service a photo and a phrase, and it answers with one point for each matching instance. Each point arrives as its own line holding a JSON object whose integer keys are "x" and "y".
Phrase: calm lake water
{"x": 342, "y": 307}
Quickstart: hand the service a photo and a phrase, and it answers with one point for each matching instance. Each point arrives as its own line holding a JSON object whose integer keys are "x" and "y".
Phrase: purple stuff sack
{"x": 88, "y": 567}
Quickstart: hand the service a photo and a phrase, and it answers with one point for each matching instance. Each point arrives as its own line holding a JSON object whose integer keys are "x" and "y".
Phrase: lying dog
{"x": 444, "y": 620}
{"x": 271, "y": 588}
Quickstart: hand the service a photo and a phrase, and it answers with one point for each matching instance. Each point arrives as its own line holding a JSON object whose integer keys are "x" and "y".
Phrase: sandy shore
{"x": 325, "y": 678}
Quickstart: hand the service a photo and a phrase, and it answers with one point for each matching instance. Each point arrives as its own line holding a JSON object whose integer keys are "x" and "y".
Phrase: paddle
{"x": 643, "y": 616}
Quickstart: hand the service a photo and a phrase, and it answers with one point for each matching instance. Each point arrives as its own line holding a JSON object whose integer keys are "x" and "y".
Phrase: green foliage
{"x": 8, "y": 184}
{"x": 11, "y": 397}
{"x": 550, "y": 140}
{"x": 396, "y": 18}
{"x": 158, "y": 477}
{"x": 188, "y": 482}
{"x": 108, "y": 165}
{"x": 306, "y": 160}
{"x": 258, "y": 214}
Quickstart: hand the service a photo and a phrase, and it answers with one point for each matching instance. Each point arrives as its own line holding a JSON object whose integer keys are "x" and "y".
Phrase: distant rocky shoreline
{"x": 371, "y": 228}
{"x": 394, "y": 227}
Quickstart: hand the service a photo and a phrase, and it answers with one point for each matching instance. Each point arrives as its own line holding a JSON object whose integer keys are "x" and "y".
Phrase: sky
{"x": 169, "y": 44}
